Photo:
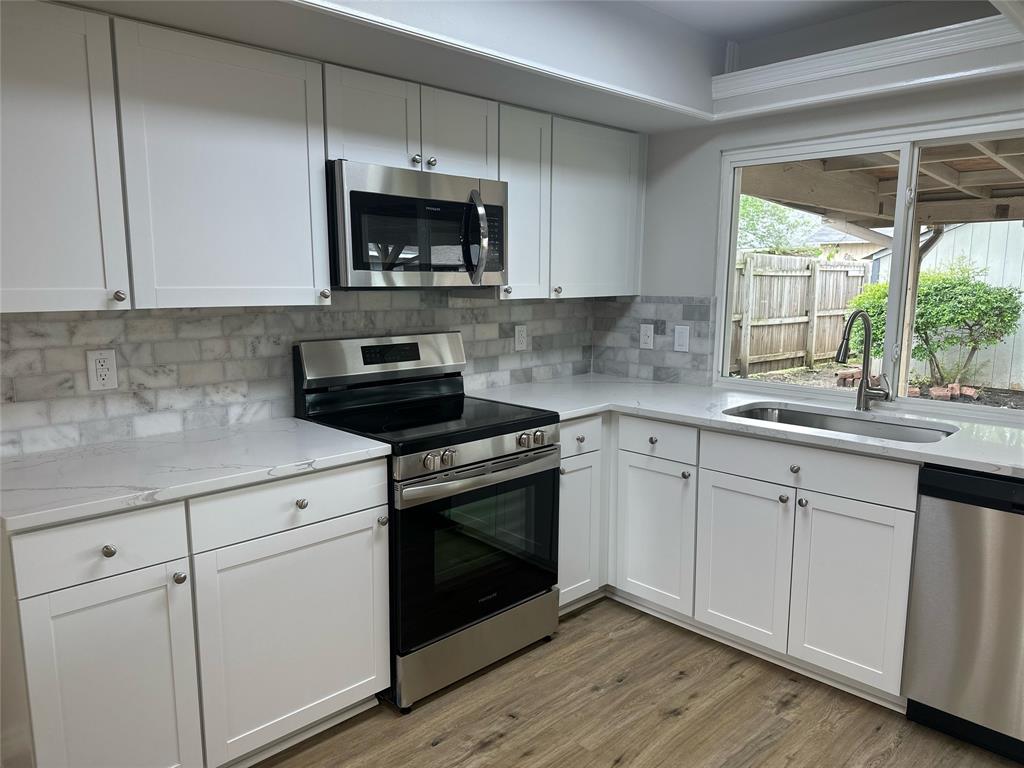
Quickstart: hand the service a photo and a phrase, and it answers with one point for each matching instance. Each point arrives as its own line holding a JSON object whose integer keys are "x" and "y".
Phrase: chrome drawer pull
{"x": 180, "y": 577}
{"x": 784, "y": 498}
{"x": 382, "y": 520}
{"x": 301, "y": 503}
{"x": 109, "y": 550}
{"x": 794, "y": 468}
{"x": 686, "y": 475}
{"x": 802, "y": 502}
{"x": 652, "y": 440}
{"x": 581, "y": 439}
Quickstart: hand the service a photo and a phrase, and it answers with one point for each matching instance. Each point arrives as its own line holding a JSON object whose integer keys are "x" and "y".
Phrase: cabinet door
{"x": 851, "y": 581}
{"x": 371, "y": 119}
{"x": 224, "y": 166}
{"x": 292, "y": 628}
{"x": 579, "y": 527}
{"x": 524, "y": 161}
{"x": 62, "y": 229}
{"x": 111, "y": 670}
{"x": 460, "y": 132}
{"x": 595, "y": 210}
{"x": 655, "y": 530}
{"x": 744, "y": 553}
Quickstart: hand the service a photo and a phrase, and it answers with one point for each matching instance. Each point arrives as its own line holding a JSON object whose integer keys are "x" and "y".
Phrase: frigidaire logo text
{"x": 485, "y": 598}
{"x": 429, "y": 208}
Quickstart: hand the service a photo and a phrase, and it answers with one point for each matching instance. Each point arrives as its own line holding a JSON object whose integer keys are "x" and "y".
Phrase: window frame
{"x": 908, "y": 142}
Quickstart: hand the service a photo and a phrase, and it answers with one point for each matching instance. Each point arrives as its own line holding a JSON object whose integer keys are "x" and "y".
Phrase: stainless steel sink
{"x": 902, "y": 430}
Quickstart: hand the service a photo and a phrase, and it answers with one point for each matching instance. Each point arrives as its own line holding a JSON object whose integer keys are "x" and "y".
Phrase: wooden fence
{"x": 789, "y": 310}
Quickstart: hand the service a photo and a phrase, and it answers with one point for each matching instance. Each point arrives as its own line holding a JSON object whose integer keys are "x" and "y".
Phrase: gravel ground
{"x": 824, "y": 377}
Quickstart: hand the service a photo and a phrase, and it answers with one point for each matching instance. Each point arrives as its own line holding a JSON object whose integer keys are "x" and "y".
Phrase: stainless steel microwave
{"x": 398, "y": 228}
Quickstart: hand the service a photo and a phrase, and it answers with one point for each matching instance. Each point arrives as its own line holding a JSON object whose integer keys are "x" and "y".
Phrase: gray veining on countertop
{"x": 60, "y": 486}
{"x": 978, "y": 445}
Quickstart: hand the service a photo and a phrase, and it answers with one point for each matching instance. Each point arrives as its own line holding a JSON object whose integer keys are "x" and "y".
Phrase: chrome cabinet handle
{"x": 561, "y": 470}
{"x": 120, "y": 295}
{"x": 794, "y": 468}
{"x": 382, "y": 520}
{"x": 302, "y": 503}
{"x": 801, "y": 502}
{"x": 507, "y": 290}
{"x": 180, "y": 577}
{"x": 108, "y": 550}
{"x": 581, "y": 439}
{"x": 325, "y": 294}
{"x": 685, "y": 475}
{"x": 652, "y": 440}
{"x": 431, "y": 161}
{"x": 558, "y": 290}
{"x": 784, "y": 498}
{"x": 417, "y": 159}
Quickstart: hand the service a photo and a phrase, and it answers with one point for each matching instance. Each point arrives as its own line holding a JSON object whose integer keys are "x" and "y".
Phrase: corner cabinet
{"x": 293, "y": 628}
{"x": 524, "y": 162}
{"x": 224, "y": 171}
{"x": 744, "y": 554}
{"x": 657, "y": 506}
{"x": 851, "y": 584}
{"x": 62, "y": 234}
{"x": 111, "y": 672}
{"x": 596, "y": 210}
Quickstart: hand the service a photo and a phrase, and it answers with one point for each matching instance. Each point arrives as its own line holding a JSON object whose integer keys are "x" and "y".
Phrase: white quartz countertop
{"x": 984, "y": 446}
{"x": 60, "y": 486}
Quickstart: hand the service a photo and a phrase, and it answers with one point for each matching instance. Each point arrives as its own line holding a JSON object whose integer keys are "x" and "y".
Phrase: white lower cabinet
{"x": 851, "y": 580}
{"x": 292, "y": 627}
{"x": 655, "y": 530}
{"x": 744, "y": 553}
{"x": 111, "y": 672}
{"x": 579, "y": 527}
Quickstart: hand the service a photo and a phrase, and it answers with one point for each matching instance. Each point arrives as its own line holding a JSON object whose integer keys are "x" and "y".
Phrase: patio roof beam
{"x": 951, "y": 177}
{"x": 1014, "y": 165}
{"x": 859, "y": 162}
{"x": 796, "y": 184}
{"x": 963, "y": 211}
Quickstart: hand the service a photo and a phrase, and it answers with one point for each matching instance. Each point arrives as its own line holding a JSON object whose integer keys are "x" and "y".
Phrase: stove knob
{"x": 430, "y": 462}
{"x": 538, "y": 437}
{"x": 523, "y": 440}
{"x": 448, "y": 457}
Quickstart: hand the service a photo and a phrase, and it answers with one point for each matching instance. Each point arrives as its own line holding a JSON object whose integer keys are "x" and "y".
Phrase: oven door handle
{"x": 414, "y": 495}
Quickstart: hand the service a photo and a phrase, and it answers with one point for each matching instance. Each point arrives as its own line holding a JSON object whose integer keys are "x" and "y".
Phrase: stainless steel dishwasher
{"x": 963, "y": 671}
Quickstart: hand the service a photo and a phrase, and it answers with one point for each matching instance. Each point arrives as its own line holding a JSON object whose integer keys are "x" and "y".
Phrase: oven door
{"x": 472, "y": 543}
{"x": 392, "y": 227}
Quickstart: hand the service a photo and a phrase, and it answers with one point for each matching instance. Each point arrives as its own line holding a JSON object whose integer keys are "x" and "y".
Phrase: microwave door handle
{"x": 476, "y": 271}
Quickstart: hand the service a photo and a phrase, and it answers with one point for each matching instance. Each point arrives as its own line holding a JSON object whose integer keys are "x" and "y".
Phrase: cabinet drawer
{"x": 580, "y": 436}
{"x": 658, "y": 438}
{"x": 878, "y": 481}
{"x": 72, "y": 554}
{"x": 234, "y": 516}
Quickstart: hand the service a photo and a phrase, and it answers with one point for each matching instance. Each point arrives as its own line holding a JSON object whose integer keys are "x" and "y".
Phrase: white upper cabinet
{"x": 851, "y": 581}
{"x": 224, "y": 165}
{"x": 596, "y": 209}
{"x": 111, "y": 672}
{"x": 292, "y": 628}
{"x": 62, "y": 229}
{"x": 460, "y": 134}
{"x": 372, "y": 119}
{"x": 655, "y": 530}
{"x": 524, "y": 162}
{"x": 744, "y": 554}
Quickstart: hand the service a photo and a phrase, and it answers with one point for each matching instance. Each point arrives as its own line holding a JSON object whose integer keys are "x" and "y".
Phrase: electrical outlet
{"x": 646, "y": 336}
{"x": 522, "y": 339}
{"x": 102, "y": 368}
{"x": 682, "y": 340}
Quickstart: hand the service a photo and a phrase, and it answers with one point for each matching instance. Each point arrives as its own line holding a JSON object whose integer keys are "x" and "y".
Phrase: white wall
{"x": 684, "y": 168}
{"x": 622, "y": 44}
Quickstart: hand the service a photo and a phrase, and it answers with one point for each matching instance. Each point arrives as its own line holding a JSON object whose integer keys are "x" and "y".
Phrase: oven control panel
{"x": 464, "y": 454}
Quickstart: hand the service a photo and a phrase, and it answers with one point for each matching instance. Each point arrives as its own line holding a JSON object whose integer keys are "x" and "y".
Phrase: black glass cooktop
{"x": 442, "y": 421}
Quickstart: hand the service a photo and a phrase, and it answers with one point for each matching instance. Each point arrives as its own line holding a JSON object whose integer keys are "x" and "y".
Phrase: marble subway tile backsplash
{"x": 196, "y": 368}
{"x": 616, "y": 339}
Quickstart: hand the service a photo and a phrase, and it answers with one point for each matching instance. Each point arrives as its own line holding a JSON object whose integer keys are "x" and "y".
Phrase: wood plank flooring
{"x": 619, "y": 688}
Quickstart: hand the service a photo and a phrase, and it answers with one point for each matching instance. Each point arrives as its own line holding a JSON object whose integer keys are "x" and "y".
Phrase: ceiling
{"x": 738, "y": 19}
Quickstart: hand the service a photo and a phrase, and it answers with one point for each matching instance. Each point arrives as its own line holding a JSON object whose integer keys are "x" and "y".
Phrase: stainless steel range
{"x": 473, "y": 501}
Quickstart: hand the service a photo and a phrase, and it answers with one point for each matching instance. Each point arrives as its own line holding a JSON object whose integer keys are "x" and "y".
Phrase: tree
{"x": 955, "y": 309}
{"x": 768, "y": 227}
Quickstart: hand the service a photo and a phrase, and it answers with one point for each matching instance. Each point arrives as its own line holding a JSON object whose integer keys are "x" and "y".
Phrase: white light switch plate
{"x": 646, "y": 336}
{"x": 682, "y": 341}
{"x": 101, "y": 365}
{"x": 522, "y": 339}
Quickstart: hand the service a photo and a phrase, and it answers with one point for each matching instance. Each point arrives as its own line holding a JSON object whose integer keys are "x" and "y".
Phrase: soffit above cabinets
{"x": 459, "y": 58}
